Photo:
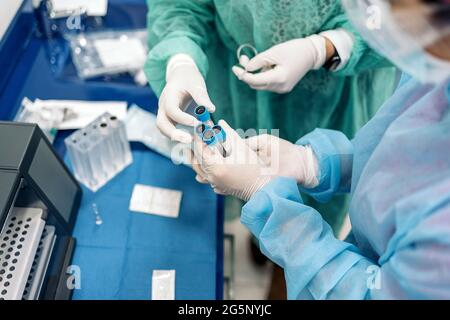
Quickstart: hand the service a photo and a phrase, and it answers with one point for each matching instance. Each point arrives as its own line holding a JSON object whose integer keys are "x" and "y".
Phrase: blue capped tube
{"x": 220, "y": 134}
{"x": 200, "y": 130}
{"x": 202, "y": 114}
{"x": 212, "y": 135}
{"x": 209, "y": 138}
{"x": 221, "y": 138}
{"x": 216, "y": 137}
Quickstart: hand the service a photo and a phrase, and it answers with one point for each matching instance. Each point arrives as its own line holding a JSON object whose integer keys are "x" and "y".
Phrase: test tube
{"x": 221, "y": 138}
{"x": 200, "y": 129}
{"x": 221, "y": 135}
{"x": 212, "y": 140}
{"x": 203, "y": 115}
{"x": 209, "y": 137}
{"x": 98, "y": 218}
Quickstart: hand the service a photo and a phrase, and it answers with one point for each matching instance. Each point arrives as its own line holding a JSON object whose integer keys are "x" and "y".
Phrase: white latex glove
{"x": 283, "y": 65}
{"x": 287, "y": 159}
{"x": 183, "y": 82}
{"x": 241, "y": 174}
{"x": 200, "y": 174}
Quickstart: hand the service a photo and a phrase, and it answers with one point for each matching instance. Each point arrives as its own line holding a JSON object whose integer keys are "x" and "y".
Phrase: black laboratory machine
{"x": 39, "y": 200}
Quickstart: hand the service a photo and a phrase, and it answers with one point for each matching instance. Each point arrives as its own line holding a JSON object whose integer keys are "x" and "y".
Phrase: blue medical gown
{"x": 398, "y": 171}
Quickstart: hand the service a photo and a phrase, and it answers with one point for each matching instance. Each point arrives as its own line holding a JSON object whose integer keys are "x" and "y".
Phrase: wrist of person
{"x": 330, "y": 49}
{"x": 307, "y": 170}
{"x": 177, "y": 60}
{"x": 339, "y": 41}
{"x": 319, "y": 47}
{"x": 258, "y": 184}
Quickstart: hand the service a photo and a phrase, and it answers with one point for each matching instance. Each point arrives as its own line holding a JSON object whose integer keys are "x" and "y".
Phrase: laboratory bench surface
{"x": 115, "y": 260}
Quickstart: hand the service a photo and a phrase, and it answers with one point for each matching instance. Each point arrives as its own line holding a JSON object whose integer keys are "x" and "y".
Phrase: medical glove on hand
{"x": 287, "y": 159}
{"x": 200, "y": 174}
{"x": 183, "y": 82}
{"x": 241, "y": 174}
{"x": 283, "y": 65}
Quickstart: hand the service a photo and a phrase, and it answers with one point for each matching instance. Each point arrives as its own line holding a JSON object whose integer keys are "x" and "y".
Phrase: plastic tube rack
{"x": 99, "y": 151}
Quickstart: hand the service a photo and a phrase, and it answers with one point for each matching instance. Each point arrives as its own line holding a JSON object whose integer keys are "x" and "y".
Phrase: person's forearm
{"x": 360, "y": 57}
{"x": 319, "y": 266}
{"x": 181, "y": 27}
{"x": 295, "y": 237}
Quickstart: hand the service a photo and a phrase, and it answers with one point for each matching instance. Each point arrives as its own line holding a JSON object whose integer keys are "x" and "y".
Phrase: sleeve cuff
{"x": 319, "y": 45}
{"x": 178, "y": 59}
{"x": 159, "y": 56}
{"x": 329, "y": 147}
{"x": 343, "y": 41}
{"x": 259, "y": 208}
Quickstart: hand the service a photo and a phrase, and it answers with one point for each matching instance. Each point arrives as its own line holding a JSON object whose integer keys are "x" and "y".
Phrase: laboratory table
{"x": 116, "y": 259}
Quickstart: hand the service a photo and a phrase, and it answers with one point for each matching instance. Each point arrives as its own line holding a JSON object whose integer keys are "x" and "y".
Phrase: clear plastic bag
{"x": 47, "y": 119}
{"x": 108, "y": 52}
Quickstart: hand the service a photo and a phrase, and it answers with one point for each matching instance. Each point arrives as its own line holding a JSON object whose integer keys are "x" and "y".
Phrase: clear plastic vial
{"x": 98, "y": 218}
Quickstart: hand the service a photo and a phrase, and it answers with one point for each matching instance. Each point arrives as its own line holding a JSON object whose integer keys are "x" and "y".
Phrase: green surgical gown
{"x": 210, "y": 31}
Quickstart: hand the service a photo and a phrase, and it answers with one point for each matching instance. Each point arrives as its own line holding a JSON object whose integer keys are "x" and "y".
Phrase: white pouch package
{"x": 93, "y": 7}
{"x": 163, "y": 285}
{"x": 115, "y": 53}
{"x": 157, "y": 201}
{"x": 109, "y": 53}
{"x": 141, "y": 127}
{"x": 78, "y": 114}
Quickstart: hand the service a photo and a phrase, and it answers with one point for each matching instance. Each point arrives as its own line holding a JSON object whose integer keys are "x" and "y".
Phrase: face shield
{"x": 404, "y": 31}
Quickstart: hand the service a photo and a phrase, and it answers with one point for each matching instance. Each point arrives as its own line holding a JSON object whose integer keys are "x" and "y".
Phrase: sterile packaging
{"x": 48, "y": 120}
{"x": 63, "y": 8}
{"x": 54, "y": 115}
{"x": 141, "y": 127}
{"x": 78, "y": 113}
{"x": 157, "y": 201}
{"x": 163, "y": 285}
{"x": 108, "y": 52}
{"x": 99, "y": 151}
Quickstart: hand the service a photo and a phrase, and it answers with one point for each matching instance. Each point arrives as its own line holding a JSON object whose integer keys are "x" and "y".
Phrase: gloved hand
{"x": 200, "y": 174}
{"x": 286, "y": 159}
{"x": 183, "y": 82}
{"x": 283, "y": 65}
{"x": 241, "y": 174}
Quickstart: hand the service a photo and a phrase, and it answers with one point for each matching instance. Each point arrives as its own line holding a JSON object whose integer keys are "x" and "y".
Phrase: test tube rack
{"x": 99, "y": 151}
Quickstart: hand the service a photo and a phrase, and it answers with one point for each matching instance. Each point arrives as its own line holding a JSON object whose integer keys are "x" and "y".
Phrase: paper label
{"x": 163, "y": 285}
{"x": 158, "y": 201}
{"x": 123, "y": 52}
{"x": 93, "y": 7}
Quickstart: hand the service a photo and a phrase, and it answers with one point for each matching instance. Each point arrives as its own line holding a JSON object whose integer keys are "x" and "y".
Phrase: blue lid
{"x": 209, "y": 137}
{"x": 202, "y": 114}
{"x": 221, "y": 135}
{"x": 200, "y": 129}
